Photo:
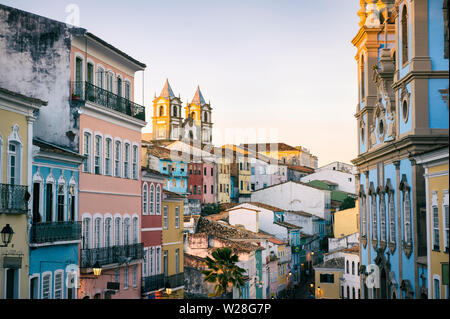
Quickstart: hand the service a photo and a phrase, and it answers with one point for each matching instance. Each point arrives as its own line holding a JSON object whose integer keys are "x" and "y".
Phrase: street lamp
{"x": 97, "y": 269}
{"x": 7, "y": 234}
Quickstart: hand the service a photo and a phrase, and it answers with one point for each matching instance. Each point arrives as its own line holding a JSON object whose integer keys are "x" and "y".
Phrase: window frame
{"x": 87, "y": 151}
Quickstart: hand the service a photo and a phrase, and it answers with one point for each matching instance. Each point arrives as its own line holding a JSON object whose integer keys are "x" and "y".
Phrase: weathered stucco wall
{"x": 35, "y": 61}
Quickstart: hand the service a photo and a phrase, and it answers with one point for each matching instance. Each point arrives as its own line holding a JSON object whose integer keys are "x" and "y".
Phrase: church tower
{"x": 167, "y": 119}
{"x": 198, "y": 124}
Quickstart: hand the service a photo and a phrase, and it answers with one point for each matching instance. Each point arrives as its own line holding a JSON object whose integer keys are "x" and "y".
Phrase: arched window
{"x": 86, "y": 232}
{"x": 135, "y": 162}
{"x": 87, "y": 152}
{"x": 391, "y": 208}
{"x": 152, "y": 199}
{"x": 353, "y": 267}
{"x": 161, "y": 110}
{"x": 108, "y": 232}
{"x": 97, "y": 232}
{"x": 144, "y": 199}
{"x": 117, "y": 159}
{"x": 98, "y": 147}
{"x": 108, "y": 160}
{"x": 174, "y": 111}
{"x": 407, "y": 216}
{"x": 374, "y": 217}
{"x": 347, "y": 266}
{"x": 382, "y": 217}
{"x": 193, "y": 115}
{"x": 109, "y": 81}
{"x": 205, "y": 117}
{"x": 348, "y": 292}
{"x": 404, "y": 34}
{"x": 126, "y": 231}
{"x": 158, "y": 200}
{"x": 117, "y": 232}
{"x": 100, "y": 77}
{"x": 135, "y": 230}
{"x": 362, "y": 213}
{"x": 119, "y": 86}
{"x": 353, "y": 293}
{"x": 61, "y": 200}
{"x": 126, "y": 162}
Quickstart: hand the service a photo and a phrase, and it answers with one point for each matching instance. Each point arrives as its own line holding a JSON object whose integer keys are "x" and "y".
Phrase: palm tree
{"x": 223, "y": 271}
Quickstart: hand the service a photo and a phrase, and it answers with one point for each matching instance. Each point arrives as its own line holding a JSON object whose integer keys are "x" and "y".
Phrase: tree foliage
{"x": 224, "y": 271}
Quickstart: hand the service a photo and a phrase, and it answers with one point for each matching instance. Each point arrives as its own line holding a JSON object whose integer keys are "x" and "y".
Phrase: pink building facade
{"x": 151, "y": 232}
{"x": 202, "y": 180}
{"x": 110, "y": 185}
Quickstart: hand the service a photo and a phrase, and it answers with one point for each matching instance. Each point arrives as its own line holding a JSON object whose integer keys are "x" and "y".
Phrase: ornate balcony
{"x": 111, "y": 255}
{"x": 153, "y": 283}
{"x": 13, "y": 199}
{"x": 85, "y": 91}
{"x": 49, "y": 232}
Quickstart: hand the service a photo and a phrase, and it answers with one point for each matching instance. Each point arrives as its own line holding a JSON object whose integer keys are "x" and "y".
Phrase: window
{"x": 212, "y": 171}
{"x": 435, "y": 228}
{"x": 126, "y": 162}
{"x": 437, "y": 288}
{"x": 327, "y": 278}
{"x": 152, "y": 261}
{"x": 363, "y": 77}
{"x": 242, "y": 185}
{"x": 49, "y": 202}
{"x": 353, "y": 293}
{"x": 119, "y": 86}
{"x": 125, "y": 277}
{"x": 166, "y": 263}
{"x": 382, "y": 218}
{"x": 46, "y": 286}
{"x": 144, "y": 199}
{"x": 404, "y": 41}
{"x": 374, "y": 217}
{"x": 177, "y": 217}
{"x": 61, "y": 202}
{"x": 205, "y": 171}
{"x": 363, "y": 215}
{"x": 212, "y": 189}
{"x": 86, "y": 233}
{"x": 161, "y": 110}
{"x": 58, "y": 290}
{"x": 100, "y": 77}
{"x": 166, "y": 217}
{"x": 72, "y": 201}
{"x": 97, "y": 155}
{"x": 158, "y": 200}
{"x": 145, "y": 263}
{"x": 14, "y": 155}
{"x": 126, "y": 231}
{"x": 117, "y": 159}
{"x": 135, "y": 162}
{"x": 127, "y": 90}
{"x": 134, "y": 280}
{"x": 204, "y": 189}
{"x": 347, "y": 267}
{"x": 152, "y": 199}
{"x": 177, "y": 260}
{"x": 108, "y": 151}
{"x": 97, "y": 234}
{"x": 108, "y": 233}
{"x": 407, "y": 217}
{"x": 87, "y": 152}
{"x": 117, "y": 275}
{"x": 353, "y": 267}
{"x": 135, "y": 230}
{"x": 391, "y": 207}
{"x": 117, "y": 231}
{"x": 109, "y": 81}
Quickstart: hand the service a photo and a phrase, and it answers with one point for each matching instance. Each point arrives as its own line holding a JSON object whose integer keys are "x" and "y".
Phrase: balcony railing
{"x": 110, "y": 255}
{"x": 55, "y": 231}
{"x": 152, "y": 283}
{"x": 85, "y": 91}
{"x": 13, "y": 199}
{"x": 174, "y": 280}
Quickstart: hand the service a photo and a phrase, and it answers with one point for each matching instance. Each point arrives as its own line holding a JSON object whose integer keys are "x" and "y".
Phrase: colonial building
{"x": 402, "y": 110}
{"x": 17, "y": 115}
{"x": 435, "y": 163}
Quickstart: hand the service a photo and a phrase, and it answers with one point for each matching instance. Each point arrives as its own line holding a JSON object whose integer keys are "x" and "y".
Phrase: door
{"x": 11, "y": 284}
{"x": 34, "y": 288}
{"x": 36, "y": 202}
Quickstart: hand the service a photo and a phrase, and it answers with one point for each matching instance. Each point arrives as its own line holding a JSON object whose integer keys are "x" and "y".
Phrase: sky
{"x": 273, "y": 70}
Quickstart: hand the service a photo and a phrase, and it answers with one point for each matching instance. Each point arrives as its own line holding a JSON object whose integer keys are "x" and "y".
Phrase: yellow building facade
{"x": 436, "y": 165}
{"x": 327, "y": 279}
{"x": 172, "y": 244}
{"x": 346, "y": 222}
{"x": 223, "y": 180}
{"x": 16, "y": 135}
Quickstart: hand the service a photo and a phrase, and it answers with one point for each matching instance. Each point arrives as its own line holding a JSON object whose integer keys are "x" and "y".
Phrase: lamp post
{"x": 7, "y": 234}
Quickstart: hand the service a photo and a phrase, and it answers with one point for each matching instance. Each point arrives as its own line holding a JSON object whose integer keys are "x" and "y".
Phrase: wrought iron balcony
{"x": 174, "y": 281}
{"x": 152, "y": 283}
{"x": 85, "y": 91}
{"x": 48, "y": 232}
{"x": 110, "y": 255}
{"x": 13, "y": 199}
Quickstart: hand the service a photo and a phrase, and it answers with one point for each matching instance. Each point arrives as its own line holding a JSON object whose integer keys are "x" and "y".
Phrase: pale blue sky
{"x": 280, "y": 64}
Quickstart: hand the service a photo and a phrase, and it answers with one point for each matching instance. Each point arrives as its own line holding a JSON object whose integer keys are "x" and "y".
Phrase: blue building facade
{"x": 55, "y": 232}
{"x": 177, "y": 175}
{"x": 402, "y": 111}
